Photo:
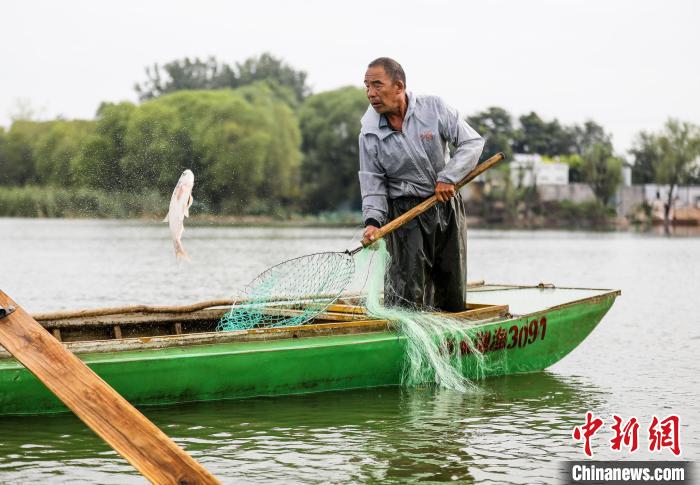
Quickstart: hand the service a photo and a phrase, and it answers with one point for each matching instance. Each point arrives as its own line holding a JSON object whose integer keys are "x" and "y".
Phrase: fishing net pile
{"x": 297, "y": 290}
{"x": 435, "y": 343}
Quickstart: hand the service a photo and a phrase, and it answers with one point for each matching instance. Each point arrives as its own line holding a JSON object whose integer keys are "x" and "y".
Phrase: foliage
{"x": 208, "y": 74}
{"x": 544, "y": 138}
{"x": 42, "y": 201}
{"x": 56, "y": 150}
{"x": 679, "y": 148}
{"x": 269, "y": 68}
{"x": 496, "y": 126}
{"x": 330, "y": 125}
{"x": 591, "y": 133}
{"x": 567, "y": 213}
{"x": 42, "y": 152}
{"x": 98, "y": 163}
{"x": 647, "y": 156}
{"x": 243, "y": 145}
{"x": 602, "y": 171}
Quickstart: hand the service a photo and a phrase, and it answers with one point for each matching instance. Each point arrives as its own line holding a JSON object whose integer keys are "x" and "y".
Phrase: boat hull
{"x": 231, "y": 370}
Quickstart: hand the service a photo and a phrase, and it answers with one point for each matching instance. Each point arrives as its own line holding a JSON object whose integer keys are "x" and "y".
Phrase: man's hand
{"x": 369, "y": 231}
{"x": 444, "y": 192}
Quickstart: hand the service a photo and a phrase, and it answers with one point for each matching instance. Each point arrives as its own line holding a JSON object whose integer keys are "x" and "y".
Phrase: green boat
{"x": 156, "y": 356}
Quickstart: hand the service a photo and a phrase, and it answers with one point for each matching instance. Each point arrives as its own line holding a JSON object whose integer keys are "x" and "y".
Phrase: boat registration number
{"x": 518, "y": 336}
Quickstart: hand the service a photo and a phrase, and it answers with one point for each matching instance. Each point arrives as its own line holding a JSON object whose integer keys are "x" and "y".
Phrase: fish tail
{"x": 180, "y": 253}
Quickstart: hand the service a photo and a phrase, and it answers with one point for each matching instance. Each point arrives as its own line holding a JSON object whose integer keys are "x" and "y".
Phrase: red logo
{"x": 587, "y": 431}
{"x": 426, "y": 136}
{"x": 665, "y": 434}
{"x": 627, "y": 435}
{"x": 662, "y": 433}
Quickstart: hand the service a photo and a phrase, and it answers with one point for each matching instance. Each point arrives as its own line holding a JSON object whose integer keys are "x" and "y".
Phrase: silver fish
{"x": 180, "y": 203}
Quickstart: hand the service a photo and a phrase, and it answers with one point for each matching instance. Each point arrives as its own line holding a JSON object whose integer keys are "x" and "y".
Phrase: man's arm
{"x": 468, "y": 146}
{"x": 373, "y": 185}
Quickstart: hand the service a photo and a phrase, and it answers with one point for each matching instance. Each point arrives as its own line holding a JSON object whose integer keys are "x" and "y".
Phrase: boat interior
{"x": 141, "y": 327}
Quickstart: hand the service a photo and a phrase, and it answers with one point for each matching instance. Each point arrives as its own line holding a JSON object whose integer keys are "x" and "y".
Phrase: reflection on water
{"x": 640, "y": 361}
{"x": 365, "y": 435}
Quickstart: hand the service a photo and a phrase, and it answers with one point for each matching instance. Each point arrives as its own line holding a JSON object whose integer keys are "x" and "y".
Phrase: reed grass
{"x": 54, "y": 202}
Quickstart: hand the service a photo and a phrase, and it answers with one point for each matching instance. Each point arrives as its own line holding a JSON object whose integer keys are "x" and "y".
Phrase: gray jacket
{"x": 411, "y": 163}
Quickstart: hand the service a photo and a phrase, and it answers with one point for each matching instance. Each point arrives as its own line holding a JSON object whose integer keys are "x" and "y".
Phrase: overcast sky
{"x": 629, "y": 65}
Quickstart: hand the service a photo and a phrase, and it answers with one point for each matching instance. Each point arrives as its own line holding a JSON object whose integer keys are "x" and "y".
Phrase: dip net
{"x": 295, "y": 291}
{"x": 290, "y": 293}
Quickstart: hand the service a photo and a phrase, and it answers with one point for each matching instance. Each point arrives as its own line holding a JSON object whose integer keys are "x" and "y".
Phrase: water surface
{"x": 639, "y": 362}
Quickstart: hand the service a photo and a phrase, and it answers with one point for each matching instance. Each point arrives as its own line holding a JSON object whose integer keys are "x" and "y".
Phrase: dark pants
{"x": 428, "y": 256}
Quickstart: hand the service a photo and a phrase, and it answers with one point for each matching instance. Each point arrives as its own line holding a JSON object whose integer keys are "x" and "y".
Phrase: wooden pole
{"x": 99, "y": 406}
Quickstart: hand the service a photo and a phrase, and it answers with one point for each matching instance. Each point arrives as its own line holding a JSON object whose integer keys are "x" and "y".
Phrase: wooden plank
{"x": 476, "y": 316}
{"x": 99, "y": 406}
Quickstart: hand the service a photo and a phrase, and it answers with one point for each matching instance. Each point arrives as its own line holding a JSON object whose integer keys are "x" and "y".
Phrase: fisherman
{"x": 404, "y": 159}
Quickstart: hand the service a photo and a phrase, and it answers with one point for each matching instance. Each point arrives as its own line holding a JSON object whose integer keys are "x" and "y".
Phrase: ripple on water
{"x": 640, "y": 361}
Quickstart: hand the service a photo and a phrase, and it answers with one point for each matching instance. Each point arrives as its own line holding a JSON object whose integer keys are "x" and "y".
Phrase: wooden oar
{"x": 427, "y": 204}
{"x": 107, "y": 413}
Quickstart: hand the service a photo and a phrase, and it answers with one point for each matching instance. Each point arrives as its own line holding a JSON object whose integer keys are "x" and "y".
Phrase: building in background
{"x": 527, "y": 170}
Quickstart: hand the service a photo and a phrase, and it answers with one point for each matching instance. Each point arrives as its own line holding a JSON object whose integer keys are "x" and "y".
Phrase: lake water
{"x": 640, "y": 361}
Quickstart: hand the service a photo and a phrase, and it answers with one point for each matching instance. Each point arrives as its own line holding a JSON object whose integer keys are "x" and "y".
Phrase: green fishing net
{"x": 435, "y": 343}
{"x": 294, "y": 292}
{"x": 290, "y": 293}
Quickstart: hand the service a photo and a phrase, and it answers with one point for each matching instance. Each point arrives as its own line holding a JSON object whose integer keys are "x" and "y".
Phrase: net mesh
{"x": 435, "y": 343}
{"x": 294, "y": 292}
{"x": 291, "y": 293}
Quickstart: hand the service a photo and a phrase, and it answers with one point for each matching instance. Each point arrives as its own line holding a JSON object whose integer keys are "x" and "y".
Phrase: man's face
{"x": 384, "y": 95}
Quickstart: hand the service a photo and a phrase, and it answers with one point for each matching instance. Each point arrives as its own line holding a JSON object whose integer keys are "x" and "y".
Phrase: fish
{"x": 180, "y": 203}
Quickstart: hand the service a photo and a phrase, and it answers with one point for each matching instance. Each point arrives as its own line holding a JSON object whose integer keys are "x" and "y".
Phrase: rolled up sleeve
{"x": 373, "y": 184}
{"x": 468, "y": 144}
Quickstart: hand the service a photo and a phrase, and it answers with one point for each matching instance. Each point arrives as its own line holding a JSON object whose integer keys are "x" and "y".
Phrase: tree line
{"x": 260, "y": 142}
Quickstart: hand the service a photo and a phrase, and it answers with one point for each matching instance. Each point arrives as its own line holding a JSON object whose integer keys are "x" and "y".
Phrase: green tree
{"x": 56, "y": 150}
{"x": 19, "y": 164}
{"x": 330, "y": 126}
{"x": 97, "y": 165}
{"x": 545, "y": 138}
{"x": 679, "y": 146}
{"x": 647, "y": 156}
{"x": 4, "y": 157}
{"x": 186, "y": 74}
{"x": 157, "y": 145}
{"x": 601, "y": 171}
{"x": 243, "y": 147}
{"x": 589, "y": 134}
{"x": 268, "y": 67}
{"x": 496, "y": 126}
